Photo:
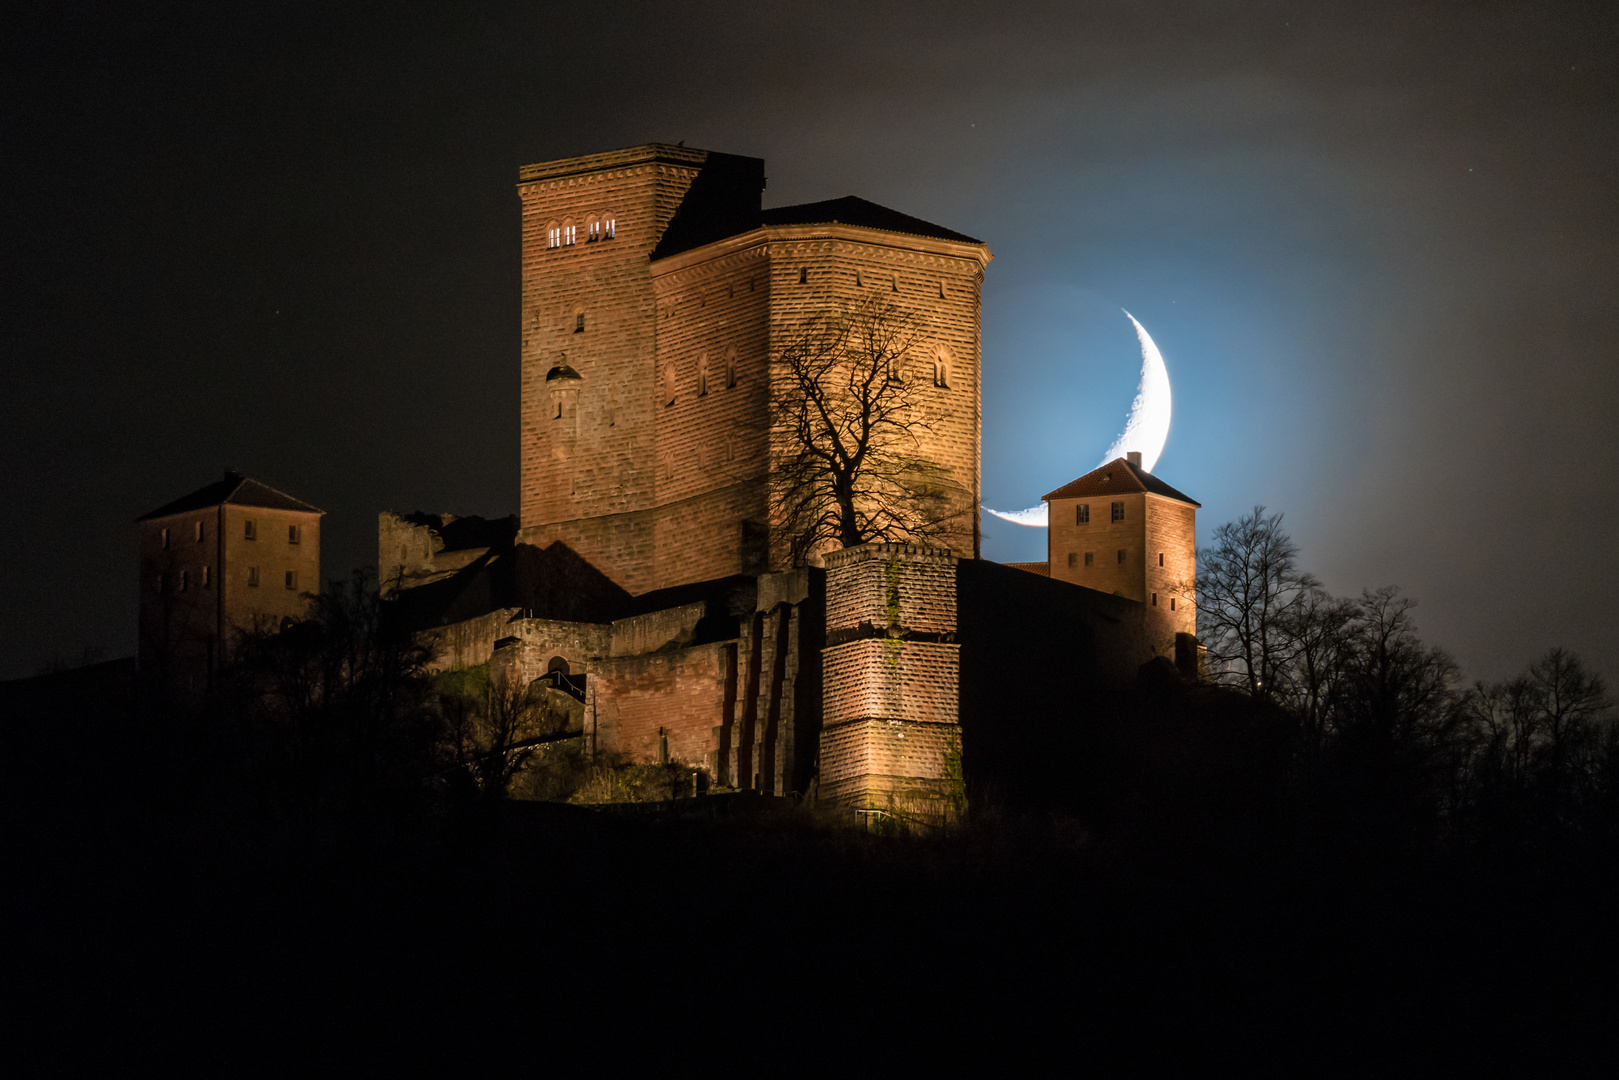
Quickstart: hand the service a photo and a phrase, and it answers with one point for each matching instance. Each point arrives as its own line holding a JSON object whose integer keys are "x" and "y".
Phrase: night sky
{"x": 1378, "y": 247}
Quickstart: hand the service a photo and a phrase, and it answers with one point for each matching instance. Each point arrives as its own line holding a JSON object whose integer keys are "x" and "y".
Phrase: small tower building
{"x": 230, "y": 556}
{"x": 1121, "y": 530}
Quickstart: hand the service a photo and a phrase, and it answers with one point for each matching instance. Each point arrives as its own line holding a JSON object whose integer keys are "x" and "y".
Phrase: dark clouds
{"x": 1377, "y": 245}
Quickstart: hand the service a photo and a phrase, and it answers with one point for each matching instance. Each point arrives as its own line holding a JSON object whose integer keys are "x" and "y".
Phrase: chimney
{"x": 1134, "y": 458}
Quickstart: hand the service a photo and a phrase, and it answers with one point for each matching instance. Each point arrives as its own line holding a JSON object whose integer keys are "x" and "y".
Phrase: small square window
{"x": 292, "y": 579}
{"x": 1121, "y": 556}
{"x": 1090, "y": 558}
{"x": 1082, "y": 514}
{"x": 249, "y": 531}
{"x": 253, "y": 576}
{"x": 292, "y": 534}
{"x": 1073, "y": 558}
{"x": 1118, "y": 511}
{"x": 199, "y": 532}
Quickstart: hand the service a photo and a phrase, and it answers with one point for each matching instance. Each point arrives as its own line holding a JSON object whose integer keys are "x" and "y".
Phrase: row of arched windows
{"x": 565, "y": 233}
{"x": 710, "y": 376}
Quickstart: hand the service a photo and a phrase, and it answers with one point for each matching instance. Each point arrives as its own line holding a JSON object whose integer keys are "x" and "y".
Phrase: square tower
{"x": 1121, "y": 530}
{"x": 234, "y": 555}
{"x": 591, "y": 226}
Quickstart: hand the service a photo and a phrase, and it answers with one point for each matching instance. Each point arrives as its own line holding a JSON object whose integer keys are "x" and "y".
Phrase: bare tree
{"x": 846, "y": 434}
{"x": 1250, "y": 590}
{"x": 1318, "y": 627}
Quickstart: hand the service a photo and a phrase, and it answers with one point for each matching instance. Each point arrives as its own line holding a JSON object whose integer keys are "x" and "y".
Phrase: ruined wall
{"x": 890, "y": 688}
{"x": 681, "y": 696}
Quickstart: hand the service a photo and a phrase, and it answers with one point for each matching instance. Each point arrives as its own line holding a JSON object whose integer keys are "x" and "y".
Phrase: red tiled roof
{"x": 1041, "y": 568}
{"x": 237, "y": 490}
{"x": 1117, "y": 477}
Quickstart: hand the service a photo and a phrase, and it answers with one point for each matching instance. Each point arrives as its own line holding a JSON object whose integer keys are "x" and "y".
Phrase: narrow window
{"x": 857, "y": 282}
{"x": 941, "y": 367}
{"x": 553, "y": 235}
{"x": 292, "y": 579}
{"x": 165, "y": 539}
{"x": 248, "y": 531}
{"x": 803, "y": 275}
{"x": 669, "y": 383}
{"x": 1154, "y": 599}
{"x": 1121, "y": 556}
{"x": 1171, "y": 603}
{"x": 1073, "y": 558}
{"x": 1082, "y": 514}
{"x": 609, "y": 228}
{"x": 594, "y": 231}
{"x": 185, "y": 579}
{"x": 702, "y": 375}
{"x": 1118, "y": 511}
{"x": 1090, "y": 558}
{"x": 570, "y": 233}
{"x": 893, "y": 283}
{"x": 253, "y": 576}
{"x": 199, "y": 532}
{"x": 161, "y": 582}
{"x": 205, "y": 577}
{"x": 292, "y": 534}
{"x": 730, "y": 365}
{"x": 941, "y": 290}
{"x": 1160, "y": 558}
{"x": 579, "y": 323}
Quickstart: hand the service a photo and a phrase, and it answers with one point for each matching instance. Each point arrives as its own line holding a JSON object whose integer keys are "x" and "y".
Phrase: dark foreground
{"x": 549, "y": 935}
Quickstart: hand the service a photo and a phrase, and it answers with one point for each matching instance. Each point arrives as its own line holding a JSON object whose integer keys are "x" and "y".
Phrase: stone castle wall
{"x": 890, "y": 715}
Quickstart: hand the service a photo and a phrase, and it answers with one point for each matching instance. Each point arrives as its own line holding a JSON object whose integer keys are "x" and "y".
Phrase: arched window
{"x": 702, "y": 375}
{"x": 609, "y": 226}
{"x": 553, "y": 235}
{"x": 570, "y": 233}
{"x": 730, "y": 365}
{"x": 941, "y": 366}
{"x": 593, "y": 229}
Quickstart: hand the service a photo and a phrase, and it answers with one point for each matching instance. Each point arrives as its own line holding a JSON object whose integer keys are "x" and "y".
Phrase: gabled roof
{"x": 853, "y": 210}
{"x": 1117, "y": 477}
{"x": 236, "y": 490}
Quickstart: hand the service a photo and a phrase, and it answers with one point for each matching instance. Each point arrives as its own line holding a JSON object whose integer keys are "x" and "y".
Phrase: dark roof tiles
{"x": 236, "y": 490}
{"x": 1117, "y": 477}
{"x": 853, "y": 210}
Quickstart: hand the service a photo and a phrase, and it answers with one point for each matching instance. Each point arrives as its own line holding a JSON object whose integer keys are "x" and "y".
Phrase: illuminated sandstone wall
{"x": 1170, "y": 598}
{"x": 817, "y": 268}
{"x": 890, "y": 714}
{"x": 1153, "y": 528}
{"x": 590, "y": 446}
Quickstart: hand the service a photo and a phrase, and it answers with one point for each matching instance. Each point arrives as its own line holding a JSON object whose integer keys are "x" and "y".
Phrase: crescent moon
{"x": 1146, "y": 428}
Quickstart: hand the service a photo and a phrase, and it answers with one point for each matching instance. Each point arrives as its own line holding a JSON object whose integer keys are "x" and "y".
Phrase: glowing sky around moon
{"x": 1146, "y": 429}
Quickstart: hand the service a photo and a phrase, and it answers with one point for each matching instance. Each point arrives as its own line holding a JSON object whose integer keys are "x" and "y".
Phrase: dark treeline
{"x": 1382, "y": 728}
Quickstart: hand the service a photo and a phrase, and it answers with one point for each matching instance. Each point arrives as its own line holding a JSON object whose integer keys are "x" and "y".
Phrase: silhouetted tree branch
{"x": 847, "y": 431}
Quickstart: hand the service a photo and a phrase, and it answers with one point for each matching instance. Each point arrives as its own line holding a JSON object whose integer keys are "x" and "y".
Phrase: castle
{"x": 648, "y": 566}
